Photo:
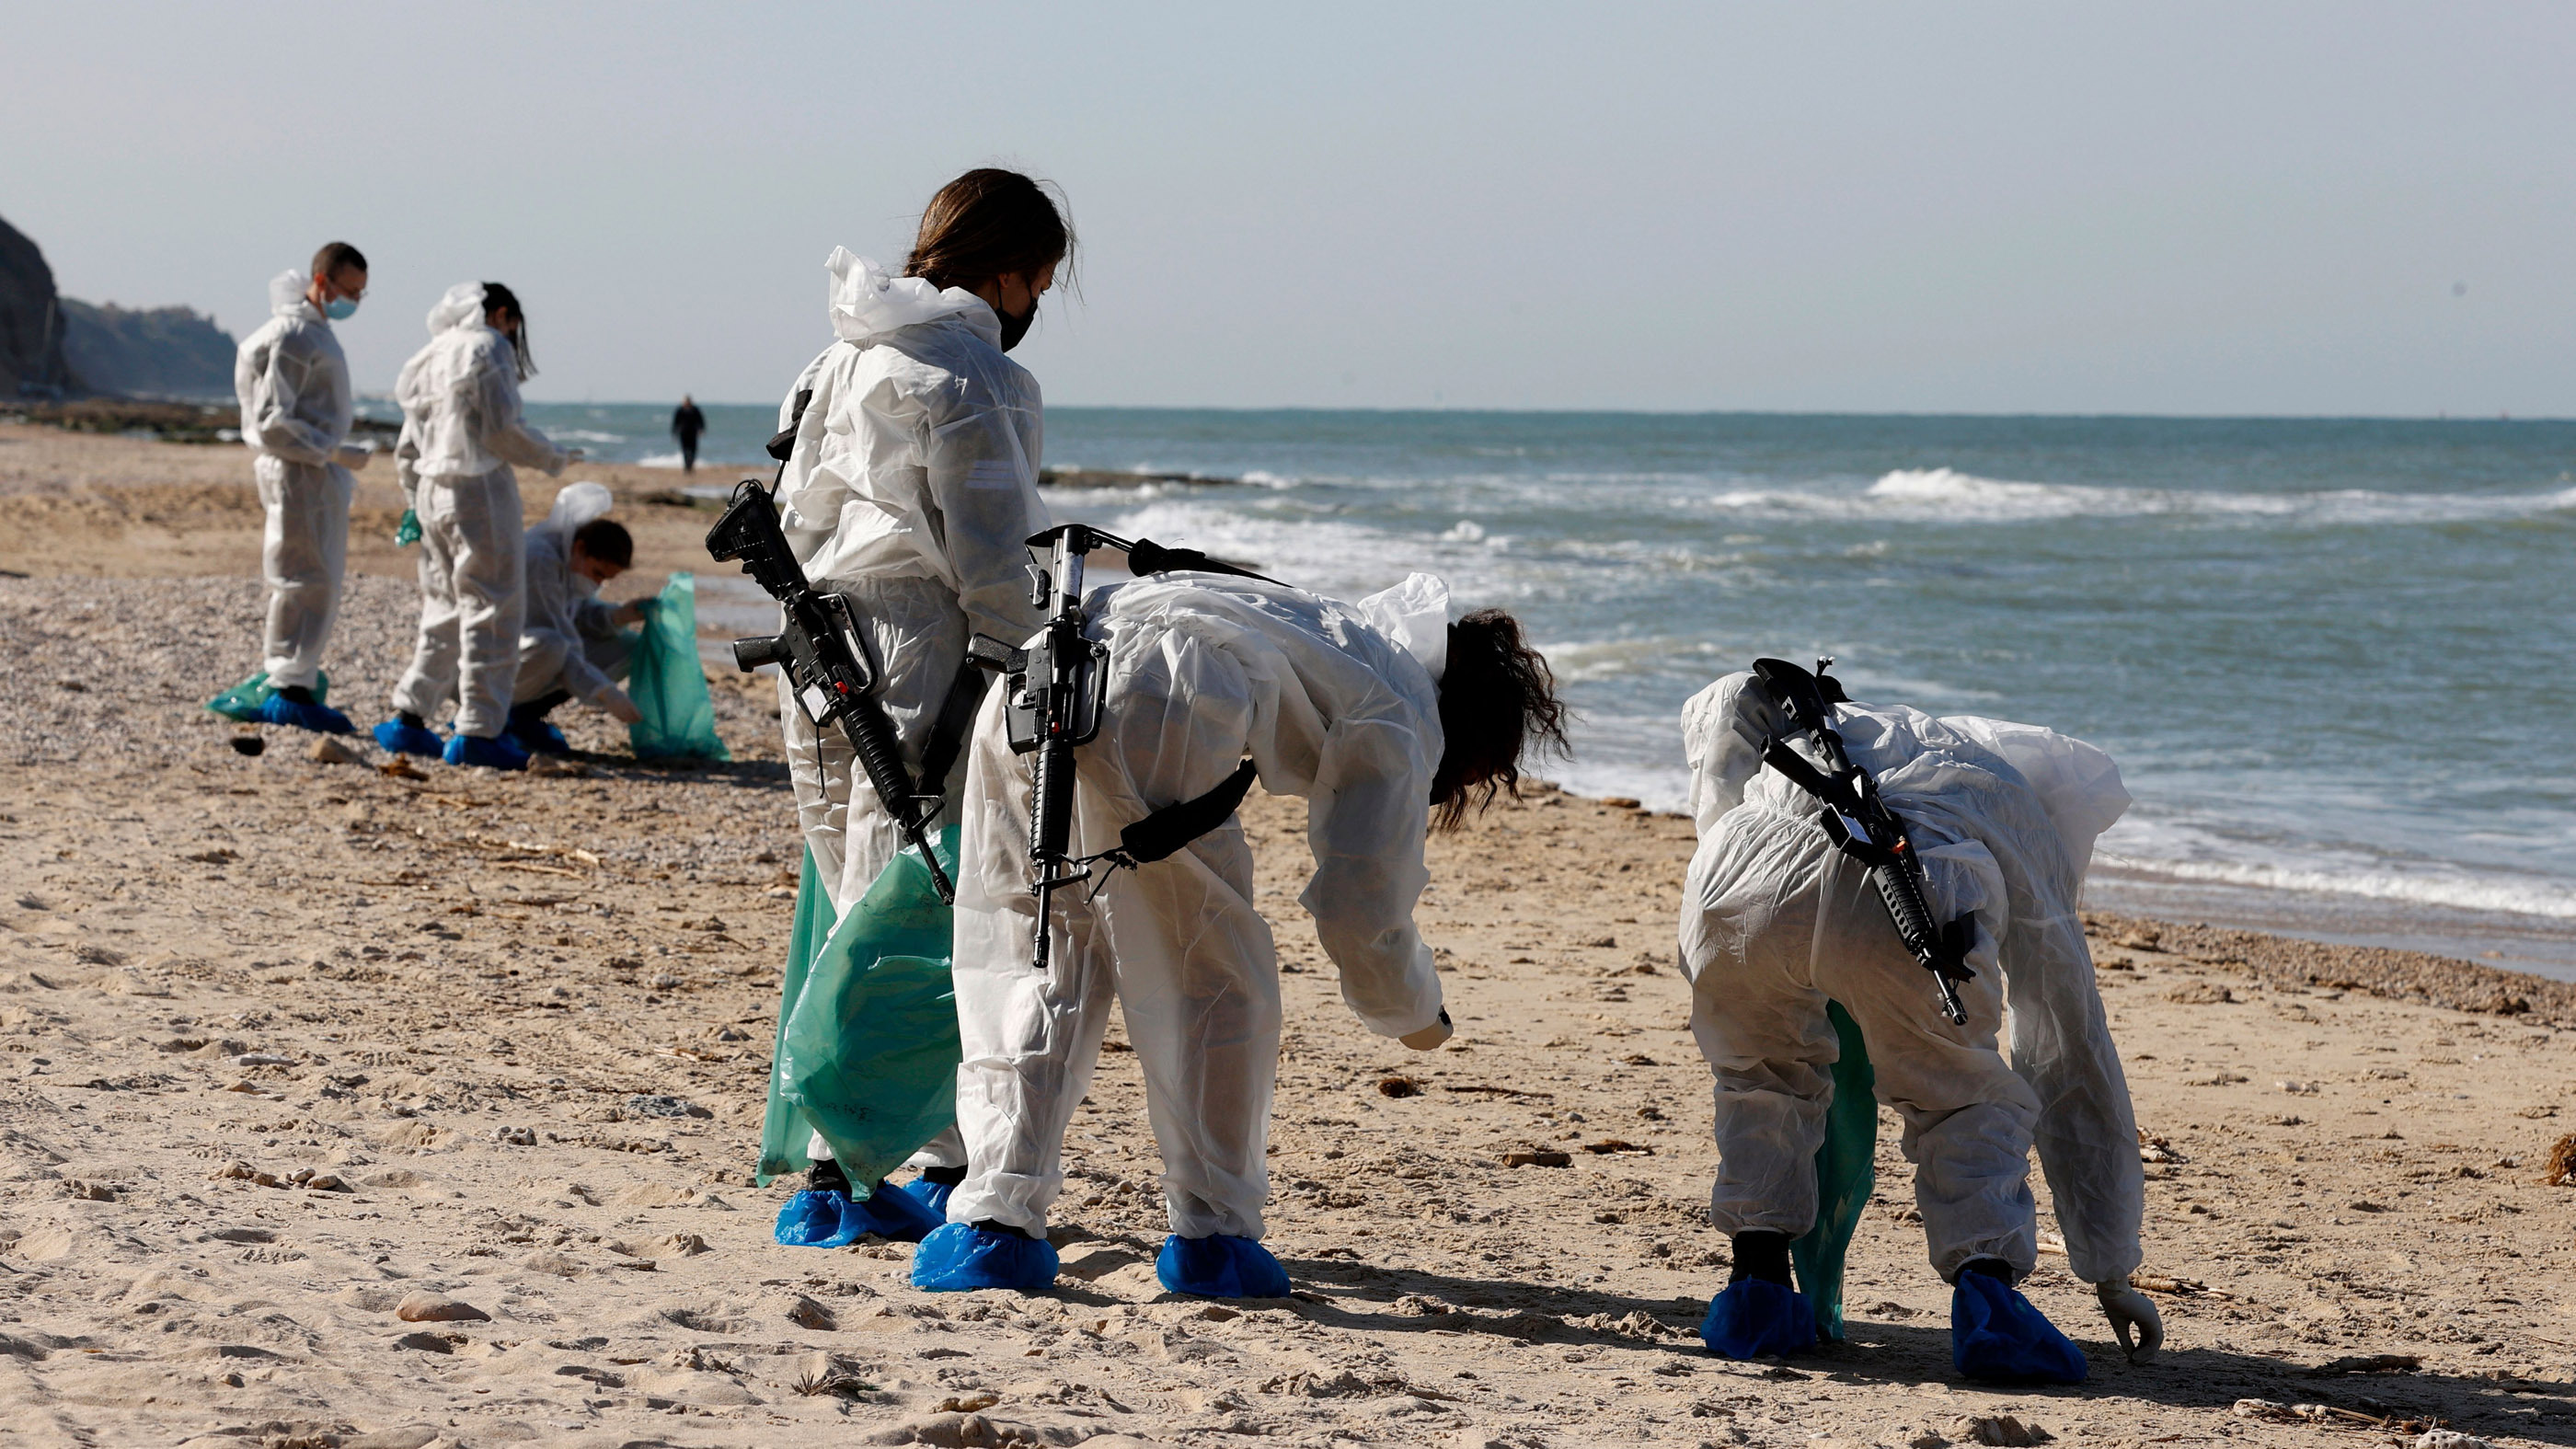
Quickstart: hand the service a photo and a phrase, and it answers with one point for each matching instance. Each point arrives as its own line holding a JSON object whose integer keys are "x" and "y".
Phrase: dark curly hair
{"x": 1497, "y": 703}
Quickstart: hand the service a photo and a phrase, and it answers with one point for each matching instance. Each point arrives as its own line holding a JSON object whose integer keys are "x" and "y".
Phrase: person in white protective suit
{"x": 1388, "y": 718}
{"x": 1777, "y": 920}
{"x": 462, "y": 429}
{"x": 911, "y": 489}
{"x": 293, "y": 384}
{"x": 572, "y": 644}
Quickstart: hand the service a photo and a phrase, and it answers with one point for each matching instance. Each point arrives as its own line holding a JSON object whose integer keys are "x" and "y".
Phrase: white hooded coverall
{"x": 569, "y": 639}
{"x": 912, "y": 490}
{"x": 1335, "y": 702}
{"x": 1776, "y": 920}
{"x": 461, "y": 431}
{"x": 295, "y": 411}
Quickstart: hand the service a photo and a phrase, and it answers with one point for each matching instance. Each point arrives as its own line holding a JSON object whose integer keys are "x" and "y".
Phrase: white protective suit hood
{"x": 286, "y": 296}
{"x": 1415, "y": 614}
{"x": 867, "y": 301}
{"x": 577, "y": 504}
{"x": 461, "y": 307}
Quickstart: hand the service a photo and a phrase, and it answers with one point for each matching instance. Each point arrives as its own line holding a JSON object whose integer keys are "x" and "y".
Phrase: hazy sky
{"x": 2223, "y": 208}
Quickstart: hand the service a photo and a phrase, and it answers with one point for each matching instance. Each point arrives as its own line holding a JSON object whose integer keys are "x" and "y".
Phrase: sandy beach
{"x": 339, "y": 1108}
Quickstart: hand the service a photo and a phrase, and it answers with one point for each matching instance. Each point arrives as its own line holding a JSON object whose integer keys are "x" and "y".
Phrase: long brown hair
{"x": 988, "y": 223}
{"x": 1497, "y": 703}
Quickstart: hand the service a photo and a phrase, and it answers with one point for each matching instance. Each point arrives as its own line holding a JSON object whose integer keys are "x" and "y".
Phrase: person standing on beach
{"x": 461, "y": 431}
{"x": 1780, "y": 926}
{"x": 293, "y": 384}
{"x": 911, "y": 489}
{"x": 686, "y": 423}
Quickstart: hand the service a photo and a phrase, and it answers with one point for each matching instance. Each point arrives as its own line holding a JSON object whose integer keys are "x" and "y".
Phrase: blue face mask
{"x": 340, "y": 309}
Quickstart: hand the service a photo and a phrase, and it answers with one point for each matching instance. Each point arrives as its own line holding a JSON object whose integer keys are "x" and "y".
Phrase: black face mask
{"x": 1016, "y": 325}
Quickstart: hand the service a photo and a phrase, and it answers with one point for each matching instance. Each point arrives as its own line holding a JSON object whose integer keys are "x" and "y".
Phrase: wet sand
{"x": 286, "y": 1045}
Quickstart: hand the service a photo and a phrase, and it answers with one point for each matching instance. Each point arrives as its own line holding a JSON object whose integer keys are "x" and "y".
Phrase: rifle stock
{"x": 825, "y": 657}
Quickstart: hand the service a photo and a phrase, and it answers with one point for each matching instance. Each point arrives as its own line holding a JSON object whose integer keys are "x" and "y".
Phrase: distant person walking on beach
{"x": 295, "y": 412}
{"x": 686, "y": 423}
{"x": 911, "y": 488}
{"x": 461, "y": 431}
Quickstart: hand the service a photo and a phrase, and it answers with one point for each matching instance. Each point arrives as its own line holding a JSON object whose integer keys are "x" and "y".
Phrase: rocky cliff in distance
{"x": 31, "y": 322}
{"x": 172, "y": 352}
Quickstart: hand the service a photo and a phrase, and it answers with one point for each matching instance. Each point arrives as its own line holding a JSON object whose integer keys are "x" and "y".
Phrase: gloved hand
{"x": 636, "y": 611}
{"x": 1432, "y": 1035}
{"x": 2131, "y": 1311}
{"x": 619, "y": 706}
{"x": 354, "y": 456}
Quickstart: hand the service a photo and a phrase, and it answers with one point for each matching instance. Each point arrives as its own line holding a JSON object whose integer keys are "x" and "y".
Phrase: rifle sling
{"x": 1168, "y": 829}
{"x": 948, "y": 732}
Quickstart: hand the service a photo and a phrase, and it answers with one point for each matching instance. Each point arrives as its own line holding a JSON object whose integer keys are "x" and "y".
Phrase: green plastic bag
{"x": 668, "y": 684}
{"x": 1846, "y": 1171}
{"x": 784, "y": 1131}
{"x": 407, "y": 532}
{"x": 869, "y": 1051}
{"x": 243, "y": 700}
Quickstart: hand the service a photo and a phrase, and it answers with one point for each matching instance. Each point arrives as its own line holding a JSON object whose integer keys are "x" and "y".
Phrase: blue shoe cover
{"x": 539, "y": 737}
{"x": 398, "y": 738}
{"x": 1997, "y": 1336}
{"x": 1755, "y": 1316}
{"x": 931, "y": 1195}
{"x": 500, "y": 752}
{"x": 893, "y": 1213}
{"x": 819, "y": 1220}
{"x": 1220, "y": 1266}
{"x": 962, "y": 1257}
{"x": 836, "y": 1220}
{"x": 322, "y": 719}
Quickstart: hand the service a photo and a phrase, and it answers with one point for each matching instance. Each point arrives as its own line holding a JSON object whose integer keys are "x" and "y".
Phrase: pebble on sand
{"x": 436, "y": 1308}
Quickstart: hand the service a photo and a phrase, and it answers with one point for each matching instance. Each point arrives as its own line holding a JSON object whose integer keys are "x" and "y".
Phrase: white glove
{"x": 1430, "y": 1036}
{"x": 620, "y": 706}
{"x": 354, "y": 456}
{"x": 2131, "y": 1311}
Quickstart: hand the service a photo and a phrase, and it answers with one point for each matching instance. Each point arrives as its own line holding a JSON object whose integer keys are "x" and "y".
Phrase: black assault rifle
{"x": 1054, "y": 693}
{"x": 826, "y": 661}
{"x": 1862, "y": 825}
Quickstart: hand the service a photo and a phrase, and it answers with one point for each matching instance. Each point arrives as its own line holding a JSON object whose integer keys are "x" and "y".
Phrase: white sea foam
{"x": 1946, "y": 495}
{"x": 658, "y": 460}
{"x": 2186, "y": 851}
{"x": 584, "y": 435}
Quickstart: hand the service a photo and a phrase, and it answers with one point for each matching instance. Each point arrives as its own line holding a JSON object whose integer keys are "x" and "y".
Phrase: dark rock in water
{"x": 1108, "y": 478}
{"x": 31, "y": 322}
{"x": 172, "y": 352}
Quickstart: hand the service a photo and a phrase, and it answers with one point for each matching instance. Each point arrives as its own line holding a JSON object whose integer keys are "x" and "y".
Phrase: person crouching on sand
{"x": 1387, "y": 718}
{"x": 572, "y": 645}
{"x": 1778, "y": 924}
{"x": 461, "y": 431}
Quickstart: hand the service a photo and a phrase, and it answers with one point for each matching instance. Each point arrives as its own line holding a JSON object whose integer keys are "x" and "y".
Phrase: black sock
{"x": 826, "y": 1176}
{"x": 989, "y": 1225}
{"x": 411, "y": 720}
{"x": 950, "y": 1176}
{"x": 297, "y": 694}
{"x": 1761, "y": 1255}
{"x": 538, "y": 708}
{"x": 1995, "y": 1268}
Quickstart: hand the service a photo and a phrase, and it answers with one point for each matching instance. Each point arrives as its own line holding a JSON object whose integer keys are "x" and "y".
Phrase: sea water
{"x": 2336, "y": 660}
